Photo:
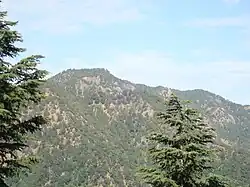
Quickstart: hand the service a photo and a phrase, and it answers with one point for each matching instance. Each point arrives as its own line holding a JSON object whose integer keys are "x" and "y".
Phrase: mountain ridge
{"x": 104, "y": 70}
{"x": 98, "y": 123}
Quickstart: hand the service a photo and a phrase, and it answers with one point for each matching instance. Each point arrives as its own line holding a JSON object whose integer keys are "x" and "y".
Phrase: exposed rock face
{"x": 98, "y": 125}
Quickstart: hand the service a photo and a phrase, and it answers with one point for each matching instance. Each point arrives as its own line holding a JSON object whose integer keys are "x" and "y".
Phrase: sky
{"x": 194, "y": 44}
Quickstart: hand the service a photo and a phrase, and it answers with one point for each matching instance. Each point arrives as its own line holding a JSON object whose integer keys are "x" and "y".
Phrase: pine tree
{"x": 182, "y": 157}
{"x": 19, "y": 86}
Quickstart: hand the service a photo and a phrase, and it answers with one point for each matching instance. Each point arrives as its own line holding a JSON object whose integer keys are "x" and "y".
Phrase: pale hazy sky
{"x": 175, "y": 43}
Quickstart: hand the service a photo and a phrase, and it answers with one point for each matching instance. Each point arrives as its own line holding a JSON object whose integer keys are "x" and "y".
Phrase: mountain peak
{"x": 99, "y": 122}
{"x": 85, "y": 72}
{"x": 70, "y": 74}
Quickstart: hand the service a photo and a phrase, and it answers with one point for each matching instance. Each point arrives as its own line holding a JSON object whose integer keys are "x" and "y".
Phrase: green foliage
{"x": 97, "y": 127}
{"x": 109, "y": 135}
{"x": 19, "y": 87}
{"x": 214, "y": 181}
{"x": 183, "y": 157}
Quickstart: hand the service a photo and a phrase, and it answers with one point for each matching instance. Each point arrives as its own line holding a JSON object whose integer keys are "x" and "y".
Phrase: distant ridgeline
{"x": 98, "y": 128}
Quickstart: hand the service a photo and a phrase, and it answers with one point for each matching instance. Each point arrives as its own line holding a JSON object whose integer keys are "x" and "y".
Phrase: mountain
{"x": 98, "y": 124}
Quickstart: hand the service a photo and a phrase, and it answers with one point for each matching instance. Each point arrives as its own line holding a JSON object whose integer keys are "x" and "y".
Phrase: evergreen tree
{"x": 182, "y": 157}
{"x": 19, "y": 87}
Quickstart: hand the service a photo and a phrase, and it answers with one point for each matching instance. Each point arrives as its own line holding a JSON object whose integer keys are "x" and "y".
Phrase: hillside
{"x": 98, "y": 127}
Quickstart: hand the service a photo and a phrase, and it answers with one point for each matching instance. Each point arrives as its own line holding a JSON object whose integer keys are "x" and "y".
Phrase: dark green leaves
{"x": 181, "y": 155}
{"x": 19, "y": 87}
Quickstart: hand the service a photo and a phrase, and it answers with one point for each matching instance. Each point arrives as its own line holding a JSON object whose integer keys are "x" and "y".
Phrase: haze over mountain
{"x": 98, "y": 124}
{"x": 173, "y": 43}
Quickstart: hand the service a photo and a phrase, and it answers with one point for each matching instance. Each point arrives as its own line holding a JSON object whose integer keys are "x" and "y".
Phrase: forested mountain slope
{"x": 98, "y": 125}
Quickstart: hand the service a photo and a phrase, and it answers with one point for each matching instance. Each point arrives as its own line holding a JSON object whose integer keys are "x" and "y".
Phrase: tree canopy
{"x": 183, "y": 157}
{"x": 19, "y": 87}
